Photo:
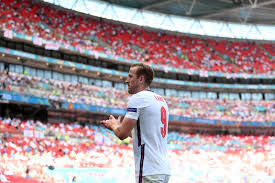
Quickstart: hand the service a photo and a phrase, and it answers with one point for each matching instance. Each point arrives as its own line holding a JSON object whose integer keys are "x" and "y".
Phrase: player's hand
{"x": 111, "y": 123}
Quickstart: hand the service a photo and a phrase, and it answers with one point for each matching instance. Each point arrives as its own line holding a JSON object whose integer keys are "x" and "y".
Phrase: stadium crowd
{"x": 194, "y": 158}
{"x": 214, "y": 109}
{"x": 31, "y": 148}
{"x": 60, "y": 27}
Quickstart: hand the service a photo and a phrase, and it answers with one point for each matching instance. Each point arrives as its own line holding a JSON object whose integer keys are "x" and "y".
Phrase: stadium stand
{"x": 226, "y": 109}
{"x": 37, "y": 151}
{"x": 200, "y": 156}
{"x": 68, "y": 28}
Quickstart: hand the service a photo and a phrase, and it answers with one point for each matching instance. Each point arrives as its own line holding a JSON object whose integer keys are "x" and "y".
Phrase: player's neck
{"x": 143, "y": 88}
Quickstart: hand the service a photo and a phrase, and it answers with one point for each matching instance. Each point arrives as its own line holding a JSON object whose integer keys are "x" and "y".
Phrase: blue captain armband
{"x": 131, "y": 109}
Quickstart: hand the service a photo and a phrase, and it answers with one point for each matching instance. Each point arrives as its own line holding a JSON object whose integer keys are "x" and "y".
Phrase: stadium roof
{"x": 239, "y": 11}
{"x": 236, "y": 19}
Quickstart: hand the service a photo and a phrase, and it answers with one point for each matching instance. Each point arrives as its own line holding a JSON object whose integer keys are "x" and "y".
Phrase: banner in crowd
{"x": 8, "y": 34}
{"x": 49, "y": 45}
{"x": 203, "y": 73}
{"x": 34, "y": 133}
{"x": 37, "y": 41}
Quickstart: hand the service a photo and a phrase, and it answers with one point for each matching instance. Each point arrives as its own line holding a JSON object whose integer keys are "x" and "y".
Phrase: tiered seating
{"x": 270, "y": 48}
{"x": 68, "y": 28}
{"x": 232, "y": 110}
{"x": 248, "y": 56}
{"x": 207, "y": 158}
{"x": 64, "y": 91}
{"x": 60, "y": 130}
{"x": 17, "y": 151}
{"x": 198, "y": 157}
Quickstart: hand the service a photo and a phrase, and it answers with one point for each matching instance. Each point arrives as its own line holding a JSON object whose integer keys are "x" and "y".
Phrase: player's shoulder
{"x": 147, "y": 95}
{"x": 143, "y": 94}
{"x": 140, "y": 99}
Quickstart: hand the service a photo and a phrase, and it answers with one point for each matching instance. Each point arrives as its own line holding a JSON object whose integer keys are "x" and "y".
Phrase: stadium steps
{"x": 137, "y": 48}
{"x": 269, "y": 55}
{"x": 226, "y": 57}
{"x": 222, "y": 55}
{"x": 102, "y": 43}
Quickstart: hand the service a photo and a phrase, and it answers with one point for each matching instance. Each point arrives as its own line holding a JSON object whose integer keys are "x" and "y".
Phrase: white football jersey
{"x": 150, "y": 133}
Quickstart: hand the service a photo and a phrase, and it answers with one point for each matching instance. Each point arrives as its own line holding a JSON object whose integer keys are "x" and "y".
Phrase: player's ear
{"x": 142, "y": 78}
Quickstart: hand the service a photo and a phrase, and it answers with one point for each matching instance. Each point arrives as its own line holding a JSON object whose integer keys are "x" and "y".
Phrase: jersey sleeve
{"x": 135, "y": 105}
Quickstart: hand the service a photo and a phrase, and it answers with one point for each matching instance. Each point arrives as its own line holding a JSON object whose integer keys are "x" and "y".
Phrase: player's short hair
{"x": 146, "y": 71}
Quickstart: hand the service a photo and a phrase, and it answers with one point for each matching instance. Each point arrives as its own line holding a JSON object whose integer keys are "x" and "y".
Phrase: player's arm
{"x": 122, "y": 130}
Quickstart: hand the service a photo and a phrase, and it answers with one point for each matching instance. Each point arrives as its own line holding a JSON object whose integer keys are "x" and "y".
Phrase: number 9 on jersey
{"x": 163, "y": 121}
